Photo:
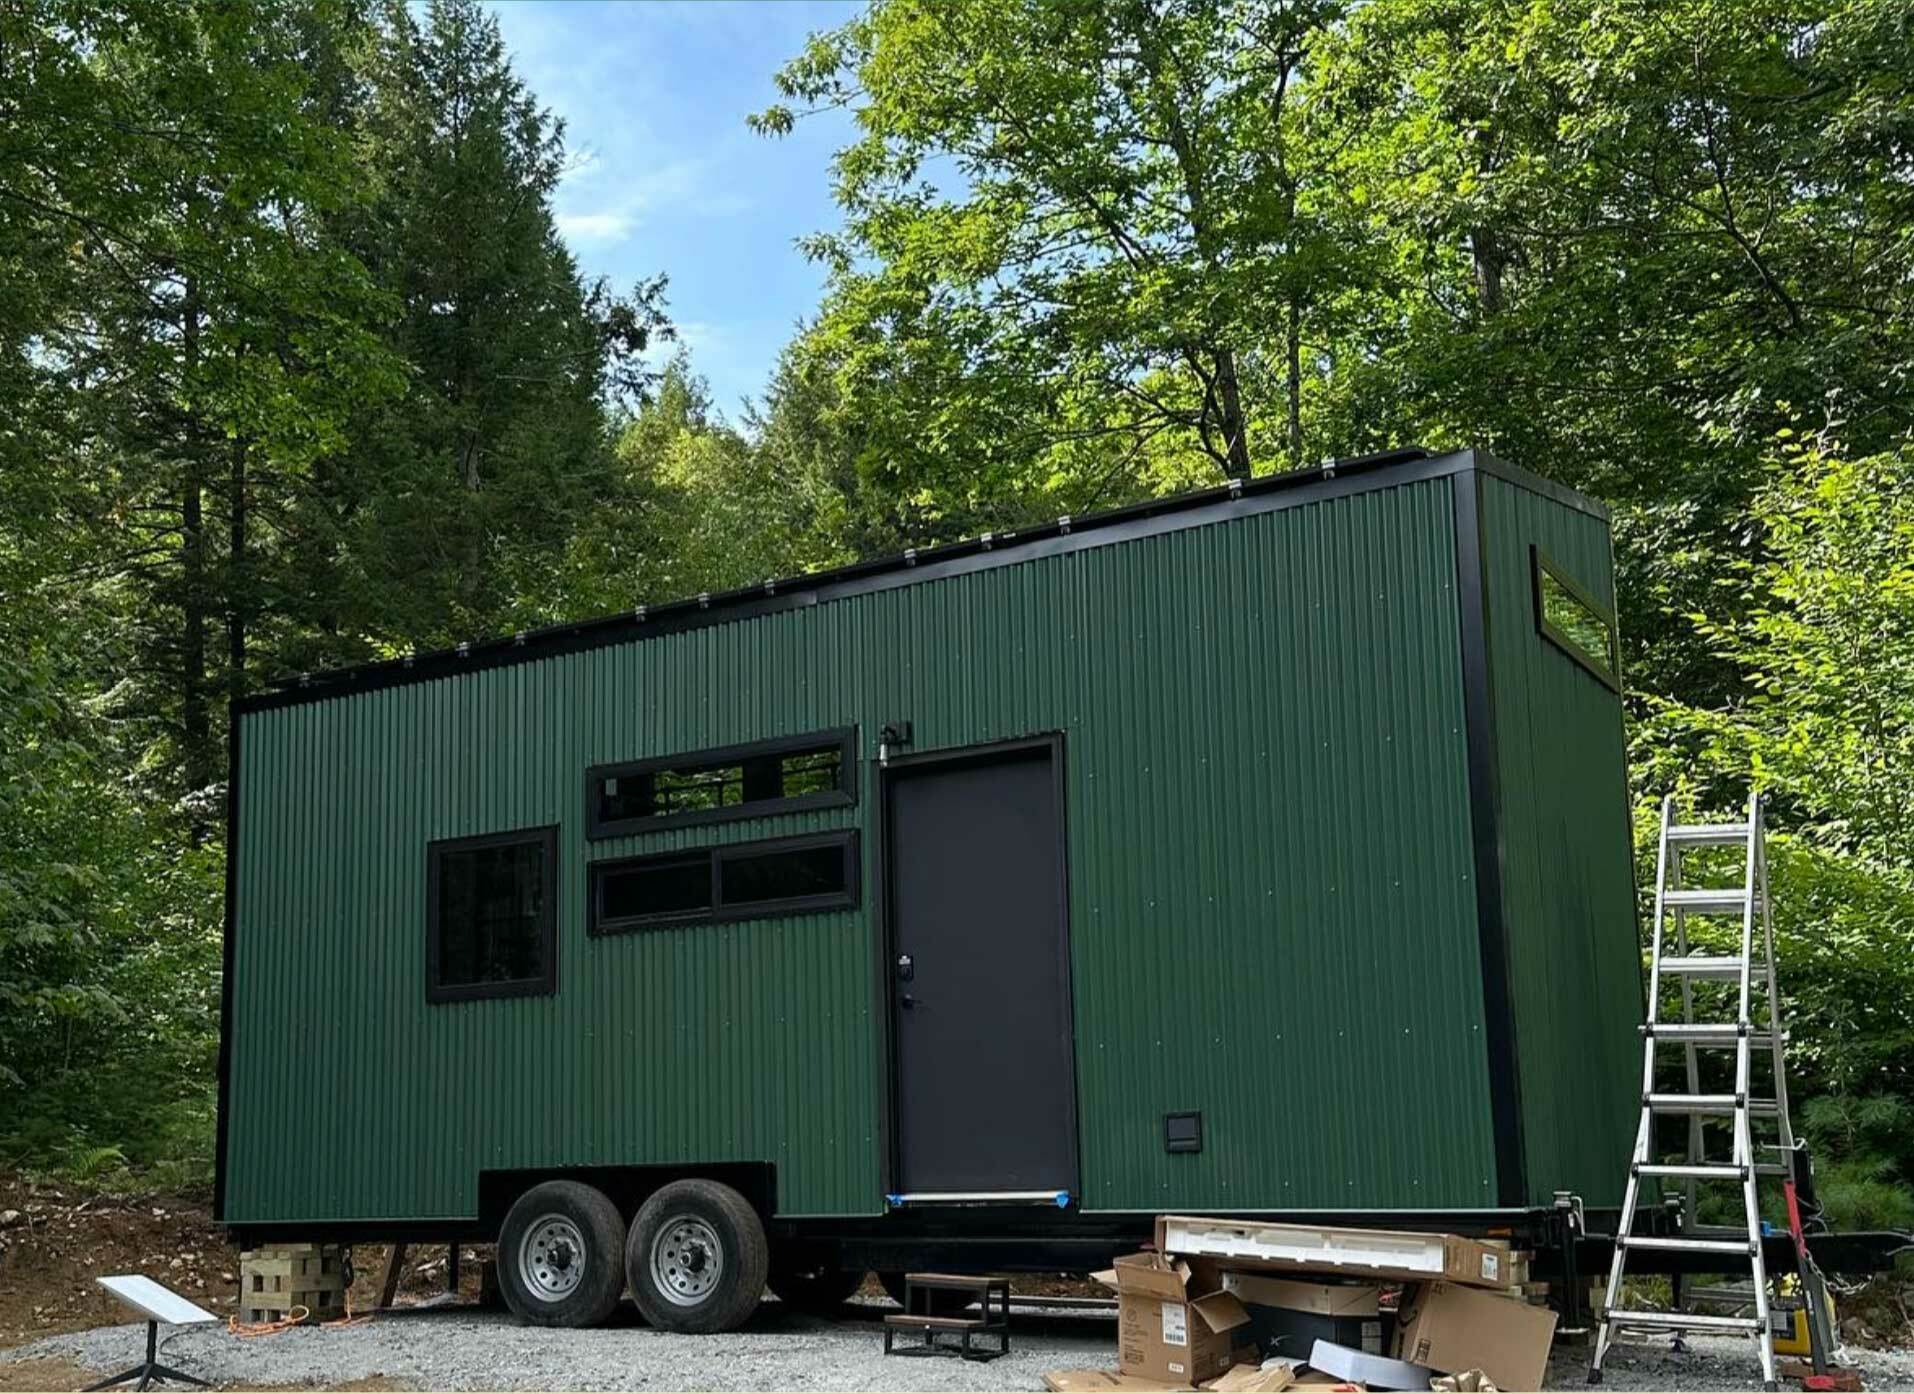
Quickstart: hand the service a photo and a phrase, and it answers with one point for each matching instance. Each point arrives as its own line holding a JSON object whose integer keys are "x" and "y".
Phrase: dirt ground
{"x": 54, "y": 1240}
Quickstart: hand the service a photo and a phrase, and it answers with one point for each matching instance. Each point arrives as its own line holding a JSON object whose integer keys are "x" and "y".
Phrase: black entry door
{"x": 980, "y": 1007}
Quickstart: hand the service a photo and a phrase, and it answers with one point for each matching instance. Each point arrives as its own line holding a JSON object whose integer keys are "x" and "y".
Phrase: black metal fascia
{"x": 1485, "y": 813}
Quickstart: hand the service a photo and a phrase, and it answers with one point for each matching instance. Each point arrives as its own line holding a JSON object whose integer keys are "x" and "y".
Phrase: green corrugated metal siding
{"x": 1273, "y": 916}
{"x": 1567, "y": 870}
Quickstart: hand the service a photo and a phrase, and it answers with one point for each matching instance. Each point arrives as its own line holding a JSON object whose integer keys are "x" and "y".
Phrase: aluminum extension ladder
{"x": 1754, "y": 963}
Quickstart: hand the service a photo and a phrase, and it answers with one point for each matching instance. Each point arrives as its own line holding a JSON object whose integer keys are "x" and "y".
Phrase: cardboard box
{"x": 1452, "y": 1328}
{"x": 1104, "y": 1382}
{"x": 1287, "y": 1317}
{"x": 1346, "y": 1250}
{"x": 1165, "y": 1331}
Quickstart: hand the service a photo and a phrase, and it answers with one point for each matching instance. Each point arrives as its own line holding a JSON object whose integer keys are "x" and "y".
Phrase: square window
{"x": 491, "y": 916}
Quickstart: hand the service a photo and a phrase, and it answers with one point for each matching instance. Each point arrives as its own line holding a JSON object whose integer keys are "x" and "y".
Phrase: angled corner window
{"x": 710, "y": 786}
{"x": 491, "y": 916}
{"x": 1574, "y": 621}
{"x": 742, "y": 881}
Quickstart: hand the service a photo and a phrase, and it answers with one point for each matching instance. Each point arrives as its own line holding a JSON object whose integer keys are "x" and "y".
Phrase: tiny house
{"x": 1260, "y": 851}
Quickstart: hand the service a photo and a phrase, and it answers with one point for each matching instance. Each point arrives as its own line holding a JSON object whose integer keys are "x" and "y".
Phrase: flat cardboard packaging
{"x": 1348, "y": 1251}
{"x": 1452, "y": 1328}
{"x": 1104, "y": 1382}
{"x": 1163, "y": 1332}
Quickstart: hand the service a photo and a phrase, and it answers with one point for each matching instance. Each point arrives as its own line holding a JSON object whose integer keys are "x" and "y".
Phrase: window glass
{"x": 492, "y": 914}
{"x": 656, "y": 887}
{"x": 741, "y": 782}
{"x": 747, "y": 876}
{"x": 753, "y": 879}
{"x": 1565, "y": 615}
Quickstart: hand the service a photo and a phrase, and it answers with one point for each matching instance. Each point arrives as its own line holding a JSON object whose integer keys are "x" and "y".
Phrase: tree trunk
{"x": 1235, "y": 430}
{"x": 196, "y": 732}
{"x": 1490, "y": 260}
{"x": 240, "y": 586}
{"x": 1294, "y": 346}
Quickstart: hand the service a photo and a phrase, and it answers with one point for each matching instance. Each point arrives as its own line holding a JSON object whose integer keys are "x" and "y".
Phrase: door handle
{"x": 907, "y": 1000}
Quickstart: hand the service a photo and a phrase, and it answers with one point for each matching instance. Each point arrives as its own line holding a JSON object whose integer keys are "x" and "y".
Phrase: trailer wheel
{"x": 558, "y": 1255}
{"x": 817, "y": 1290}
{"x": 696, "y": 1257}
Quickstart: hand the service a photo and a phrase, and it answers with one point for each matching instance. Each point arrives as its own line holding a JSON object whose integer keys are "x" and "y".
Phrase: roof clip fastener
{"x": 519, "y": 639}
{"x": 1329, "y": 469}
{"x": 465, "y": 649}
{"x": 305, "y": 679}
{"x": 910, "y": 556}
{"x": 987, "y": 539}
{"x": 639, "y": 614}
{"x": 1063, "y": 524}
{"x": 770, "y": 585}
{"x": 1236, "y": 488}
{"x": 704, "y": 600}
{"x": 409, "y": 660}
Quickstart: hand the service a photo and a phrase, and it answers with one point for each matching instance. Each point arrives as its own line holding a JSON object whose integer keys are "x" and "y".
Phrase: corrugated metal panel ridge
{"x": 1568, "y": 878}
{"x": 1272, "y": 914}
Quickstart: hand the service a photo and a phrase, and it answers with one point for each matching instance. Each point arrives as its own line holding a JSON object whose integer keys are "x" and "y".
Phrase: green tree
{"x": 440, "y": 521}
{"x": 1075, "y": 242}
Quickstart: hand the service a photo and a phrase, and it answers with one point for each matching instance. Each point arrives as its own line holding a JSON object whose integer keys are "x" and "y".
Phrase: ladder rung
{"x": 1711, "y": 1104}
{"x": 1708, "y": 834}
{"x": 1693, "y": 1171}
{"x": 1731, "y": 1292}
{"x": 1682, "y": 1321}
{"x": 1683, "y": 1245}
{"x": 1708, "y": 900}
{"x": 1709, "y": 1033}
{"x": 1704, "y": 966}
{"x": 1773, "y": 1169}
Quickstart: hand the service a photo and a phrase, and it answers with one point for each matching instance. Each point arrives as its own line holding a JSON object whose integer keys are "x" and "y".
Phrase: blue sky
{"x": 669, "y": 178}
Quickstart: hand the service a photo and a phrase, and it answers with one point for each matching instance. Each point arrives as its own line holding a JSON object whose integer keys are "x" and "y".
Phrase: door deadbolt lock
{"x": 905, "y": 968}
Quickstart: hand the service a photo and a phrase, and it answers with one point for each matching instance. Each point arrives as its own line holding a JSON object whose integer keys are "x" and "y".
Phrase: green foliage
{"x": 1820, "y": 629}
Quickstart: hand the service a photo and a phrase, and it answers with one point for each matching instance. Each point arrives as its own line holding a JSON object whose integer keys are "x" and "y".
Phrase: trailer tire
{"x": 558, "y": 1255}
{"x": 820, "y": 1291}
{"x": 696, "y": 1258}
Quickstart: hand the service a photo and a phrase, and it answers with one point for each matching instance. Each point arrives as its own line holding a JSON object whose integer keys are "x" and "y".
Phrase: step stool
{"x": 916, "y": 1315}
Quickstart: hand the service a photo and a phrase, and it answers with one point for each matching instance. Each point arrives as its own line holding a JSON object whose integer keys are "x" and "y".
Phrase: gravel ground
{"x": 460, "y": 1348}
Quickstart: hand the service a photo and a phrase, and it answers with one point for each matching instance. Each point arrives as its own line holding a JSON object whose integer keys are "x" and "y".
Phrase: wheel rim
{"x": 551, "y": 1258}
{"x": 686, "y": 1260}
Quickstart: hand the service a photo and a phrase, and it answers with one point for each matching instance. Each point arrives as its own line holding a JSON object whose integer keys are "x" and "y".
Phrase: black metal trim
{"x": 1052, "y": 743}
{"x": 222, "y": 1124}
{"x": 1243, "y": 498}
{"x": 546, "y": 983}
{"x": 845, "y": 795}
{"x": 845, "y": 839}
{"x": 1485, "y": 816}
{"x": 1541, "y": 562}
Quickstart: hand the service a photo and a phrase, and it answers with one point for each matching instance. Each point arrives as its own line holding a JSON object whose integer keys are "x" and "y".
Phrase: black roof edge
{"x": 1356, "y": 474}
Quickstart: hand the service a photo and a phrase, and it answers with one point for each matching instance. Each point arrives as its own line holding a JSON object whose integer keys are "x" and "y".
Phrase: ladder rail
{"x": 1674, "y": 900}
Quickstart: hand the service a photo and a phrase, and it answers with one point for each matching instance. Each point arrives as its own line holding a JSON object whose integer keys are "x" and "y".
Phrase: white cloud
{"x": 608, "y": 226}
{"x": 680, "y": 189}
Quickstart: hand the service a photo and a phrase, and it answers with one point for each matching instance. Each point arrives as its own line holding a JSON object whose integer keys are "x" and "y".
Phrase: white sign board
{"x": 154, "y": 1302}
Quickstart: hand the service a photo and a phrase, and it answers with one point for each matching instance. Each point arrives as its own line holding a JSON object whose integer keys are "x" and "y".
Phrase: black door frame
{"x": 884, "y": 940}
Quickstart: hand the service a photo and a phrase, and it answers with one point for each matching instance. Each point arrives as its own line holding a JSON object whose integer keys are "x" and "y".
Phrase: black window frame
{"x": 1540, "y": 565}
{"x": 716, "y": 854}
{"x": 546, "y": 837}
{"x": 844, "y": 796}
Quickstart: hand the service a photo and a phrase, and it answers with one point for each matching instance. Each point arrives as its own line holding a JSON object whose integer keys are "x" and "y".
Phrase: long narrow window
{"x": 708, "y": 786}
{"x": 1574, "y": 621}
{"x": 492, "y": 916}
{"x": 743, "y": 881}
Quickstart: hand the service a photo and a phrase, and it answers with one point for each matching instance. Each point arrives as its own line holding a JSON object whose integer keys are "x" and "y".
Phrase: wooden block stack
{"x": 274, "y": 1283}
